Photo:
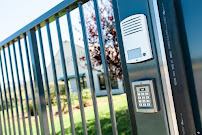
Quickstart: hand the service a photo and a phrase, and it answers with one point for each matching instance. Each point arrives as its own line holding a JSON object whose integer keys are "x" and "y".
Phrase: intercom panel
{"x": 136, "y": 38}
{"x": 144, "y": 96}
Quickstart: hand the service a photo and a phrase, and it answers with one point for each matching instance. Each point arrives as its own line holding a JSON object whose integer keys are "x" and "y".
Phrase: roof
{"x": 71, "y": 77}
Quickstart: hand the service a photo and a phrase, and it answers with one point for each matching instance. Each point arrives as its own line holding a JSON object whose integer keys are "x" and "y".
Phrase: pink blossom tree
{"x": 109, "y": 35}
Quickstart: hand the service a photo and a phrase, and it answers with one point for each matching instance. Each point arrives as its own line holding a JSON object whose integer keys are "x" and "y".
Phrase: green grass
{"x": 120, "y": 106}
{"x": 122, "y": 117}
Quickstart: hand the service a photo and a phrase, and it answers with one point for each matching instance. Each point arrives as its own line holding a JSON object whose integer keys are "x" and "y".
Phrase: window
{"x": 83, "y": 82}
{"x": 114, "y": 82}
{"x": 102, "y": 82}
{"x": 113, "y": 79}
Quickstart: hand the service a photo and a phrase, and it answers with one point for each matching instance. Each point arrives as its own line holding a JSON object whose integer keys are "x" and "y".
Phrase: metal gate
{"x": 27, "y": 35}
{"x": 165, "y": 71}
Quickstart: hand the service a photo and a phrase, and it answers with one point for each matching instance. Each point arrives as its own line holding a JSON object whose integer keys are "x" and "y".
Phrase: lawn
{"x": 122, "y": 117}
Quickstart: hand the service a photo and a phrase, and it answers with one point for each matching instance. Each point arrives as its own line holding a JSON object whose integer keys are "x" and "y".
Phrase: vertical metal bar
{"x": 19, "y": 88}
{"x": 8, "y": 117}
{"x": 38, "y": 81}
{"x": 2, "y": 104}
{"x": 77, "y": 73}
{"x": 46, "y": 79}
{"x": 9, "y": 91}
{"x": 83, "y": 82}
{"x": 90, "y": 73}
{"x": 124, "y": 69}
{"x": 25, "y": 86}
{"x": 1, "y": 130}
{"x": 105, "y": 67}
{"x": 14, "y": 90}
{"x": 55, "y": 78}
{"x": 160, "y": 46}
{"x": 31, "y": 84}
{"x": 2, "y": 107}
{"x": 65, "y": 75}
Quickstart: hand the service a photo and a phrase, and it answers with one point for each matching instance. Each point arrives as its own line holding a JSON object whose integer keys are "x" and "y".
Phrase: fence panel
{"x": 65, "y": 75}
{"x": 2, "y": 107}
{"x": 14, "y": 90}
{"x": 46, "y": 80}
{"x": 97, "y": 119}
{"x": 37, "y": 74}
{"x": 5, "y": 95}
{"x": 19, "y": 88}
{"x": 39, "y": 89}
{"x": 31, "y": 84}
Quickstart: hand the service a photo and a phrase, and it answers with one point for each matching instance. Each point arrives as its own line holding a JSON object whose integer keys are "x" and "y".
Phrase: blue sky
{"x": 17, "y": 13}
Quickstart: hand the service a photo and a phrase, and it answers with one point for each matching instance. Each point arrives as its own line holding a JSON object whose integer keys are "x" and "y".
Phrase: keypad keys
{"x": 147, "y": 101}
{"x": 144, "y": 99}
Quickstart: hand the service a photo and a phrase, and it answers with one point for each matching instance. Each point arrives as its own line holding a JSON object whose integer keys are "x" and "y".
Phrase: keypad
{"x": 144, "y": 99}
{"x": 144, "y": 96}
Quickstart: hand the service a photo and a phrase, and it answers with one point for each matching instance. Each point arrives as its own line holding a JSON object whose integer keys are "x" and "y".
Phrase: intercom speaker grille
{"x": 135, "y": 34}
{"x": 132, "y": 26}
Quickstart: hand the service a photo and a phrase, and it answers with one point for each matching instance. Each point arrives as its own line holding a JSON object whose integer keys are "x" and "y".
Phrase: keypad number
{"x": 144, "y": 99}
{"x": 144, "y": 95}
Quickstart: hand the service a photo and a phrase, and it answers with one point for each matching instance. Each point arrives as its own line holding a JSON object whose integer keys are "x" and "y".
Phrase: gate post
{"x": 136, "y": 72}
{"x": 40, "y": 95}
{"x": 126, "y": 80}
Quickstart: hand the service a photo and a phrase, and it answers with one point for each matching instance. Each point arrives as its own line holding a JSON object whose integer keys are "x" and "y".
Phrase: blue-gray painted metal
{"x": 77, "y": 73}
{"x": 19, "y": 89}
{"x": 9, "y": 91}
{"x": 126, "y": 80}
{"x": 148, "y": 69}
{"x": 105, "y": 67}
{"x": 38, "y": 81}
{"x": 188, "y": 15}
{"x": 46, "y": 80}
{"x": 4, "y": 89}
{"x": 90, "y": 73}
{"x": 55, "y": 78}
{"x": 67, "y": 90}
{"x": 14, "y": 91}
{"x": 1, "y": 131}
{"x": 25, "y": 86}
{"x": 2, "y": 107}
{"x": 43, "y": 20}
{"x": 31, "y": 84}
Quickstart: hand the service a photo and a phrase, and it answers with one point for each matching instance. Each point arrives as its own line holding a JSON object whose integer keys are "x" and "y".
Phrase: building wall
{"x": 82, "y": 69}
